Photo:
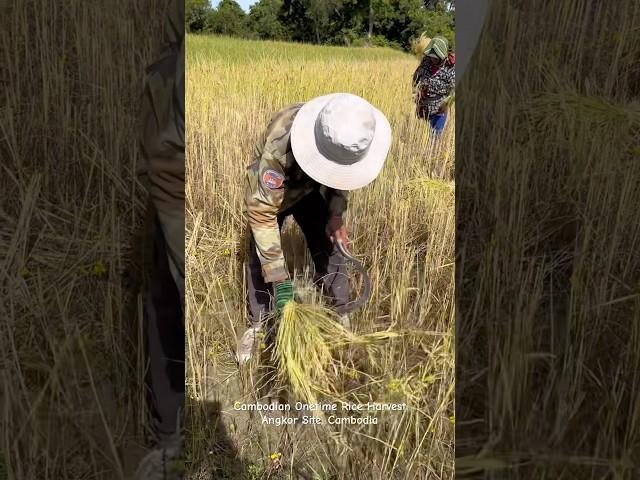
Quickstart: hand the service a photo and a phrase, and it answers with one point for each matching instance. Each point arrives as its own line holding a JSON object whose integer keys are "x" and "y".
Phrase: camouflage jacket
{"x": 431, "y": 90}
{"x": 274, "y": 183}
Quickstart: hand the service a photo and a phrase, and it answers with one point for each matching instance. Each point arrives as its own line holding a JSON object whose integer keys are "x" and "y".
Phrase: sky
{"x": 245, "y": 4}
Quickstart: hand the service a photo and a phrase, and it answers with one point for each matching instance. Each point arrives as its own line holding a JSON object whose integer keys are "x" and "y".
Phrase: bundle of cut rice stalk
{"x": 418, "y": 45}
{"x": 308, "y": 336}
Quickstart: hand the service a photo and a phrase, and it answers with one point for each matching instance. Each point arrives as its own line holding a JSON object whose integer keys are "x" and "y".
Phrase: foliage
{"x": 382, "y": 41}
{"x": 440, "y": 5}
{"x": 382, "y": 23}
{"x": 228, "y": 19}
{"x": 196, "y": 12}
{"x": 264, "y": 21}
{"x": 435, "y": 23}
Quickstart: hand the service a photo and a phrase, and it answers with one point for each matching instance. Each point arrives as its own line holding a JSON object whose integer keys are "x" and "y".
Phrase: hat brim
{"x": 326, "y": 171}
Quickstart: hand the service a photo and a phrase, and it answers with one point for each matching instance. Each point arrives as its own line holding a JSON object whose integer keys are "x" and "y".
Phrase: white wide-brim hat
{"x": 340, "y": 140}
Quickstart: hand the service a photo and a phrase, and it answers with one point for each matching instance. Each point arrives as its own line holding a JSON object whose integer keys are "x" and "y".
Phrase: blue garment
{"x": 437, "y": 122}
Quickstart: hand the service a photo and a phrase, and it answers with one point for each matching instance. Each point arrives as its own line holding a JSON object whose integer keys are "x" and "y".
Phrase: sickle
{"x": 366, "y": 290}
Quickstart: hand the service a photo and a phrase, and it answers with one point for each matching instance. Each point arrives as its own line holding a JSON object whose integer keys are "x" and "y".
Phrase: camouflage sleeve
{"x": 263, "y": 197}
{"x": 337, "y": 201}
{"x": 161, "y": 168}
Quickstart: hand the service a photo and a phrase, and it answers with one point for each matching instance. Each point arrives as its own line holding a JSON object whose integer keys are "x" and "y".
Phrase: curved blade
{"x": 366, "y": 290}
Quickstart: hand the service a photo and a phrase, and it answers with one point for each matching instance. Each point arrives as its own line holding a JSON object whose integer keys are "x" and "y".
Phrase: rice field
{"x": 402, "y": 227}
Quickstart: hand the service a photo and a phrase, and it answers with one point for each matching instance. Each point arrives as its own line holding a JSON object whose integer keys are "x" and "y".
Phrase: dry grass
{"x": 71, "y": 76}
{"x": 549, "y": 186}
{"x": 403, "y": 229}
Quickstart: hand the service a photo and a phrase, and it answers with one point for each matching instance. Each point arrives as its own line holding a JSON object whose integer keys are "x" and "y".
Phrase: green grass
{"x": 234, "y": 50}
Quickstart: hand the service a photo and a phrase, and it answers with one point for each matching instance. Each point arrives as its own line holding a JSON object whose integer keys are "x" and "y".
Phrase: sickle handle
{"x": 366, "y": 290}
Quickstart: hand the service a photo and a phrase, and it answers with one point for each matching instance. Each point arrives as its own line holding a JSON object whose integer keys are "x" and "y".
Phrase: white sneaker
{"x": 247, "y": 344}
{"x": 345, "y": 321}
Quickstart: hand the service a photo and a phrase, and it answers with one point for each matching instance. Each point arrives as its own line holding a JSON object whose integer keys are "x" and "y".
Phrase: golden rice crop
{"x": 306, "y": 340}
{"x": 302, "y": 352}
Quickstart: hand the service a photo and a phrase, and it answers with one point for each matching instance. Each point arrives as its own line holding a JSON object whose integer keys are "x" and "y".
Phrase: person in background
{"x": 161, "y": 170}
{"x": 434, "y": 83}
{"x": 311, "y": 155}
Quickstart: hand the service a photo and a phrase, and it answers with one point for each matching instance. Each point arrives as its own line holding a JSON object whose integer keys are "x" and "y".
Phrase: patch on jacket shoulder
{"x": 272, "y": 179}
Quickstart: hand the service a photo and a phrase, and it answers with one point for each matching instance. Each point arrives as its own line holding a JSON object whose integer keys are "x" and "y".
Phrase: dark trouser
{"x": 311, "y": 214}
{"x": 165, "y": 333}
{"x": 437, "y": 122}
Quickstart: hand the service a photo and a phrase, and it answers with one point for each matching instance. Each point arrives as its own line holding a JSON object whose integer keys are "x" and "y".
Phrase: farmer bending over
{"x": 433, "y": 83}
{"x": 311, "y": 155}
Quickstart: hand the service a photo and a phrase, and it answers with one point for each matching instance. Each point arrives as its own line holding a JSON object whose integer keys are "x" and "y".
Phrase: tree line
{"x": 388, "y": 23}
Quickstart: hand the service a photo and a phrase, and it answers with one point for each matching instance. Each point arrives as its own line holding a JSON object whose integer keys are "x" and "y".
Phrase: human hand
{"x": 337, "y": 232}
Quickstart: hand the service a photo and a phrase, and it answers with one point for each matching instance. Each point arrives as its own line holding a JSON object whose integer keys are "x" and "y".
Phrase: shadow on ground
{"x": 214, "y": 455}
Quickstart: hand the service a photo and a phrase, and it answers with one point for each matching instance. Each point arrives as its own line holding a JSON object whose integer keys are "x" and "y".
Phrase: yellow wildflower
{"x": 394, "y": 385}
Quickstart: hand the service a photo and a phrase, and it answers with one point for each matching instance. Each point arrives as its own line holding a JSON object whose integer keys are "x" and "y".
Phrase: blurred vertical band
{"x": 470, "y": 18}
{"x": 73, "y": 238}
{"x": 547, "y": 242}
{"x": 162, "y": 171}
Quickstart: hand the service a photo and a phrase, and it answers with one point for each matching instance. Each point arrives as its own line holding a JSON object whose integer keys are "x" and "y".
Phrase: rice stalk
{"x": 419, "y": 45}
{"x": 307, "y": 339}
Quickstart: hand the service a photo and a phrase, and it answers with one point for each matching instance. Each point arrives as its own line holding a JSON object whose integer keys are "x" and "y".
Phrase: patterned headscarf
{"x": 439, "y": 46}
